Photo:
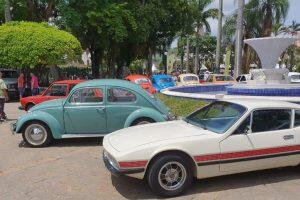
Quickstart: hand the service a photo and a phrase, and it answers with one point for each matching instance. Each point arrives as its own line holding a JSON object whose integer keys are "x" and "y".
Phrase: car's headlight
{"x": 111, "y": 160}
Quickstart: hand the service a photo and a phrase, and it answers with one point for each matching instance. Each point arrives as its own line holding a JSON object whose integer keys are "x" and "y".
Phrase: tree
{"x": 292, "y": 29}
{"x": 201, "y": 24}
{"x": 270, "y": 12}
{"x": 29, "y": 44}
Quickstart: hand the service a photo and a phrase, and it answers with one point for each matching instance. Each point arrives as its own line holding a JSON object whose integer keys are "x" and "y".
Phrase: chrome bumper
{"x": 13, "y": 127}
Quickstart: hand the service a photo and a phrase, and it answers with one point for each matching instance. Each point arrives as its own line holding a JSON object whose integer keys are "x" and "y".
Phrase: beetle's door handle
{"x": 100, "y": 109}
{"x": 288, "y": 137}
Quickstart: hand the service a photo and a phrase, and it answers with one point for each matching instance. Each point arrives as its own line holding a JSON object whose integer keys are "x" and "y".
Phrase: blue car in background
{"x": 162, "y": 81}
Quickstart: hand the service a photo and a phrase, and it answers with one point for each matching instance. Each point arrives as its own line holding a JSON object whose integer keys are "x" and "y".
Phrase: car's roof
{"x": 110, "y": 82}
{"x": 294, "y": 73}
{"x": 69, "y": 81}
{"x": 219, "y": 75}
{"x": 258, "y": 103}
{"x": 161, "y": 76}
{"x": 135, "y": 76}
{"x": 189, "y": 74}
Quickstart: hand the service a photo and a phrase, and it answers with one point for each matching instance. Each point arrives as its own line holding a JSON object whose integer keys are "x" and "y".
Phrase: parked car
{"x": 162, "y": 81}
{"x": 294, "y": 77}
{"x": 10, "y": 77}
{"x": 187, "y": 79}
{"x": 143, "y": 81}
{"x": 243, "y": 78}
{"x": 220, "y": 79}
{"x": 57, "y": 90}
{"x": 92, "y": 109}
{"x": 224, "y": 137}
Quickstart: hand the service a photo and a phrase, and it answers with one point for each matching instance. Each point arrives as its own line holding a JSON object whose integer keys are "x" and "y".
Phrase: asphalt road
{"x": 72, "y": 169}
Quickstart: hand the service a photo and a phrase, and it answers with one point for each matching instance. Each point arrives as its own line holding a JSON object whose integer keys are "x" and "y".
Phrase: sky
{"x": 229, "y": 6}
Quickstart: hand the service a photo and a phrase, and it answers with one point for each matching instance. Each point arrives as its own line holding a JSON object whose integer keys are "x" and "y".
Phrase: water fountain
{"x": 268, "y": 82}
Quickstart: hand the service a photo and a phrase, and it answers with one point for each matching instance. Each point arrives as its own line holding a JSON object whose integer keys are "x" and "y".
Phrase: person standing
{"x": 21, "y": 85}
{"x": 34, "y": 84}
{"x": 3, "y": 98}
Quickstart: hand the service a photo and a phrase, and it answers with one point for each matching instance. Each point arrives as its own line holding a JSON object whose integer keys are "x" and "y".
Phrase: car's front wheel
{"x": 170, "y": 175}
{"x": 37, "y": 134}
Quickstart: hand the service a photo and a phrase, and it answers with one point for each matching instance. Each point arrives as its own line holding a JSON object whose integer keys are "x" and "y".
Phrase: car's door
{"x": 84, "y": 111}
{"x": 263, "y": 140}
{"x": 121, "y": 102}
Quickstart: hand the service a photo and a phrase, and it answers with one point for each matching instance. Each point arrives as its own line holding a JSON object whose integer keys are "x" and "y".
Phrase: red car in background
{"x": 143, "y": 81}
{"x": 57, "y": 90}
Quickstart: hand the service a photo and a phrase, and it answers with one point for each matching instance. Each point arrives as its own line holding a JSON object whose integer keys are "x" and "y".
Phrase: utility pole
{"x": 219, "y": 36}
{"x": 7, "y": 11}
{"x": 239, "y": 38}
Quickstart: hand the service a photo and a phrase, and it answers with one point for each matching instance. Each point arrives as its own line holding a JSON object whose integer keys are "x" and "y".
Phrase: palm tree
{"x": 291, "y": 29}
{"x": 201, "y": 23}
{"x": 271, "y": 12}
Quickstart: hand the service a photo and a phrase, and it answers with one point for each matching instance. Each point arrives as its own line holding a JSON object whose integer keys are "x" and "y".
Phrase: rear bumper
{"x": 13, "y": 127}
{"x": 119, "y": 172}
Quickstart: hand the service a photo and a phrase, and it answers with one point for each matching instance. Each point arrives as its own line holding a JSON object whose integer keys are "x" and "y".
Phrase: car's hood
{"x": 48, "y": 104}
{"x": 150, "y": 133}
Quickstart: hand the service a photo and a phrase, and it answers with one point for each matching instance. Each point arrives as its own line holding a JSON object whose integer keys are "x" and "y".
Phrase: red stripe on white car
{"x": 246, "y": 154}
{"x": 141, "y": 163}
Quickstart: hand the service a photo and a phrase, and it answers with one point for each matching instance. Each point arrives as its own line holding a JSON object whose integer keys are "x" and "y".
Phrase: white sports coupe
{"x": 224, "y": 137}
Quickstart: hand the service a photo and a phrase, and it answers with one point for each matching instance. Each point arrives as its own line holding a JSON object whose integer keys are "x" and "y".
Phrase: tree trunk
{"x": 54, "y": 70}
{"x": 7, "y": 11}
{"x": 267, "y": 23}
{"x": 239, "y": 38}
{"x": 187, "y": 54}
{"x": 95, "y": 58}
{"x": 196, "y": 67}
{"x": 219, "y": 35}
{"x": 164, "y": 60}
{"x": 149, "y": 63}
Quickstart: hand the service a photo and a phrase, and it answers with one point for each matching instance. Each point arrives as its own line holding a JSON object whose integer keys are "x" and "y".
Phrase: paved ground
{"x": 71, "y": 169}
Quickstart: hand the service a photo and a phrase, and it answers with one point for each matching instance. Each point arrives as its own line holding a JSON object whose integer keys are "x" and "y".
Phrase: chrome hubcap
{"x": 172, "y": 176}
{"x": 36, "y": 134}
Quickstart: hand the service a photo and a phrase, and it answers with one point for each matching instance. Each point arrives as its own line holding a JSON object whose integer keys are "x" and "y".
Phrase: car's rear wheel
{"x": 37, "y": 134}
{"x": 28, "y": 106}
{"x": 142, "y": 121}
{"x": 170, "y": 175}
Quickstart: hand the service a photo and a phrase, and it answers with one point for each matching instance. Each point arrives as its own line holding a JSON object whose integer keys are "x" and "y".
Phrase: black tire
{"x": 154, "y": 171}
{"x": 28, "y": 106}
{"x": 47, "y": 137}
{"x": 141, "y": 121}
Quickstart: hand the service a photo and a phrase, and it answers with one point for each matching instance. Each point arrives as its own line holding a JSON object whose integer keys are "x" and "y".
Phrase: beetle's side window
{"x": 87, "y": 95}
{"x": 297, "y": 118}
{"x": 244, "y": 127}
{"x": 271, "y": 120}
{"x": 120, "y": 95}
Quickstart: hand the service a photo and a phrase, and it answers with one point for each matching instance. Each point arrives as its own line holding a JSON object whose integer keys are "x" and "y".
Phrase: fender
{"x": 55, "y": 127}
{"x": 144, "y": 112}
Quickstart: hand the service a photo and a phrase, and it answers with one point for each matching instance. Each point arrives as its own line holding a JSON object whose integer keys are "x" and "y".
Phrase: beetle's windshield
{"x": 190, "y": 78}
{"x": 217, "y": 117}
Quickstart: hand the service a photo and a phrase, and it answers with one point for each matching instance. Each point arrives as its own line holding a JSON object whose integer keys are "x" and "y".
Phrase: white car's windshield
{"x": 217, "y": 117}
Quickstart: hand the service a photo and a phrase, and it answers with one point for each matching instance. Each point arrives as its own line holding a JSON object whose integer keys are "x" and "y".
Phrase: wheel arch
{"x": 52, "y": 123}
{"x": 144, "y": 113}
{"x": 180, "y": 152}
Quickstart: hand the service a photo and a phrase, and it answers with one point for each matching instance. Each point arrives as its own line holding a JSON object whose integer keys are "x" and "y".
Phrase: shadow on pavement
{"x": 137, "y": 189}
{"x": 74, "y": 142}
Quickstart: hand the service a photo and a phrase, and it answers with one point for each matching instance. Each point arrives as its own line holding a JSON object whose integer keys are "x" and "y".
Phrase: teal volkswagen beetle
{"x": 92, "y": 109}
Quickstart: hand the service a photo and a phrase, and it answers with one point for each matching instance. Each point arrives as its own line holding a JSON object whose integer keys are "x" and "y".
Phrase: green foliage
{"x": 29, "y": 44}
{"x": 181, "y": 106}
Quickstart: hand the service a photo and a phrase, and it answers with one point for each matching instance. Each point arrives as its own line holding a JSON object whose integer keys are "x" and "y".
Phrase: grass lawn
{"x": 181, "y": 106}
